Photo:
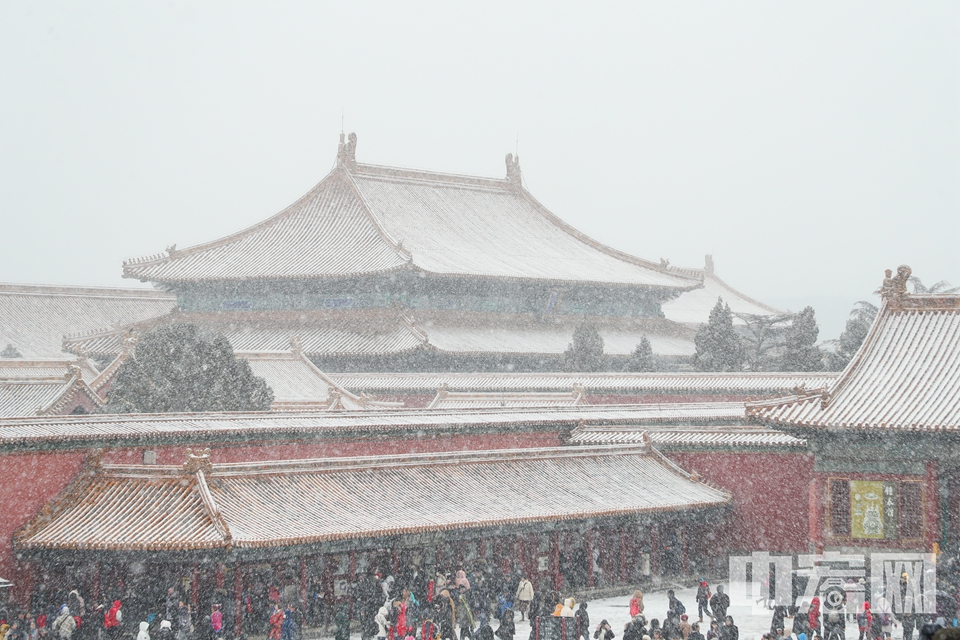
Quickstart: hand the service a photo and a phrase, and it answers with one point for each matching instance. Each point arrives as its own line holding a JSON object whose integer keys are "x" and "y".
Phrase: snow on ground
{"x": 616, "y": 611}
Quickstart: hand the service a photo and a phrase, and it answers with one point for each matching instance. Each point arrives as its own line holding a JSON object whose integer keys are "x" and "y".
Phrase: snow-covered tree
{"x": 800, "y": 350}
{"x": 719, "y": 347}
{"x": 642, "y": 358}
{"x": 180, "y": 368}
{"x": 585, "y": 353}
{"x": 858, "y": 325}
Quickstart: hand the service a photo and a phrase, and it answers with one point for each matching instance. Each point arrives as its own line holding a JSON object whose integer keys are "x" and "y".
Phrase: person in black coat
{"x": 729, "y": 631}
{"x": 604, "y": 632}
{"x": 719, "y": 604}
{"x": 695, "y": 632}
{"x": 583, "y": 622}
{"x": 507, "y": 628}
{"x": 485, "y": 632}
{"x": 779, "y": 614}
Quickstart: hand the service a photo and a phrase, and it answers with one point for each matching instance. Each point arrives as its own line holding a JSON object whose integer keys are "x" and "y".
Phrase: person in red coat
{"x": 276, "y": 622}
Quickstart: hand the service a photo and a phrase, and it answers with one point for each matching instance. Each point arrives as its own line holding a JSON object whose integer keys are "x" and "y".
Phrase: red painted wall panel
{"x": 770, "y": 497}
{"x": 28, "y": 482}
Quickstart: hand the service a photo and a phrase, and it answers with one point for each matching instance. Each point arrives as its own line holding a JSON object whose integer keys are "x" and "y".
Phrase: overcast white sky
{"x": 807, "y": 146}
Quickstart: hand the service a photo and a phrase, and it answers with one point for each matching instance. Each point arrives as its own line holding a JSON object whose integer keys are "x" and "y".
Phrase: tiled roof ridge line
{"x": 400, "y": 174}
{"x": 394, "y": 243}
{"x": 211, "y": 508}
{"x": 75, "y": 383}
{"x": 749, "y": 299}
{"x": 81, "y": 291}
{"x": 130, "y": 266}
{"x": 298, "y": 354}
{"x": 68, "y": 496}
{"x": 693, "y": 477}
{"x": 161, "y": 257}
{"x": 604, "y": 248}
{"x": 341, "y": 464}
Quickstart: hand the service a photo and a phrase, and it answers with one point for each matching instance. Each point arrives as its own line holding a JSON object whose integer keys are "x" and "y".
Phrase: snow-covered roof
{"x": 693, "y": 307}
{"x": 114, "y": 430}
{"x": 366, "y": 219}
{"x": 446, "y": 399}
{"x": 748, "y": 383}
{"x": 685, "y": 437}
{"x": 314, "y": 333}
{"x": 906, "y": 375}
{"x": 202, "y": 506}
{"x": 347, "y": 333}
{"x": 45, "y": 387}
{"x": 298, "y": 385}
{"x": 34, "y": 318}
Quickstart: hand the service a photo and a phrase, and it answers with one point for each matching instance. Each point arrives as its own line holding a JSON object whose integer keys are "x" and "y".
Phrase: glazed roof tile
{"x": 685, "y": 437}
{"x": 906, "y": 375}
{"x": 315, "y": 333}
{"x": 694, "y": 307}
{"x": 80, "y": 431}
{"x": 34, "y": 318}
{"x": 740, "y": 383}
{"x": 459, "y": 400}
{"x": 248, "y": 505}
{"x": 377, "y": 219}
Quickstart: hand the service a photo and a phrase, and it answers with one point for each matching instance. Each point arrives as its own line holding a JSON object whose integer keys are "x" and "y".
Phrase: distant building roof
{"x": 45, "y": 387}
{"x": 177, "y": 428}
{"x": 331, "y": 333}
{"x": 906, "y": 375}
{"x": 686, "y": 437}
{"x": 446, "y": 399}
{"x": 298, "y": 385}
{"x": 749, "y": 383}
{"x": 314, "y": 332}
{"x": 365, "y": 219}
{"x": 34, "y": 318}
{"x": 693, "y": 307}
{"x": 204, "y": 506}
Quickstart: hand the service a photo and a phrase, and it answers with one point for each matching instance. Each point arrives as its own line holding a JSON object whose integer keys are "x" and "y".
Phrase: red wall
{"x": 31, "y": 480}
{"x": 260, "y": 451}
{"x": 770, "y": 497}
{"x": 28, "y": 482}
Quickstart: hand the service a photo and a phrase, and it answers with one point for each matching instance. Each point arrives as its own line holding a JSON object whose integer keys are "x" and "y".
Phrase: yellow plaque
{"x": 866, "y": 509}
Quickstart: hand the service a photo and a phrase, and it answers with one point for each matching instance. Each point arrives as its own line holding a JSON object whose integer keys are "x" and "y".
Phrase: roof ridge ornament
{"x": 514, "y": 176}
{"x": 199, "y": 461}
{"x": 894, "y": 288}
{"x": 347, "y": 152}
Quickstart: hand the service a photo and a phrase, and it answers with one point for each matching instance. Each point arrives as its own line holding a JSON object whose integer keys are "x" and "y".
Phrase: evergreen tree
{"x": 719, "y": 347}
{"x": 180, "y": 368}
{"x": 585, "y": 353}
{"x": 858, "y": 325}
{"x": 642, "y": 358}
{"x": 800, "y": 350}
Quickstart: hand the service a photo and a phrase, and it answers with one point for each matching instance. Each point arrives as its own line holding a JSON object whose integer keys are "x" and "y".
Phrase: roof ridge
{"x": 173, "y": 253}
{"x": 376, "y": 171}
{"x": 82, "y": 291}
{"x": 558, "y": 222}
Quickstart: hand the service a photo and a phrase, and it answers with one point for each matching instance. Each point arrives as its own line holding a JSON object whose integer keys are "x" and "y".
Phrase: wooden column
{"x": 195, "y": 588}
{"x": 591, "y": 536}
{"x": 683, "y": 549}
{"x": 623, "y": 555}
{"x": 655, "y": 550}
{"x": 555, "y": 544}
{"x": 303, "y": 585}
{"x": 237, "y": 600}
{"x": 933, "y": 504}
{"x": 816, "y": 513}
{"x": 220, "y": 576}
{"x": 95, "y": 591}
